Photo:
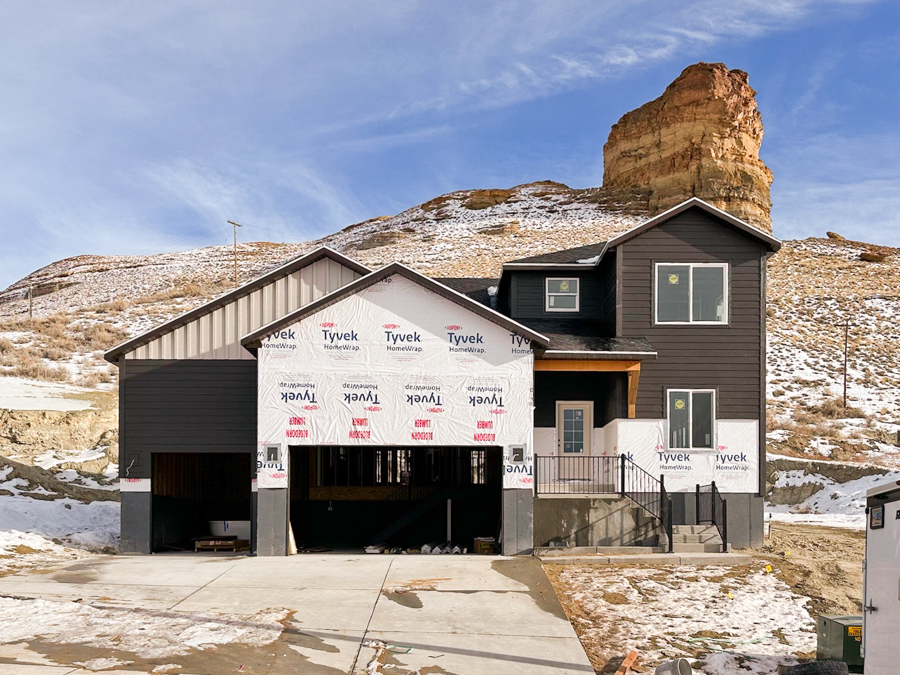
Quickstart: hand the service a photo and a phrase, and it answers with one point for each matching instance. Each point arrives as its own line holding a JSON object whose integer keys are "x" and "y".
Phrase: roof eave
{"x": 773, "y": 243}
{"x": 254, "y": 340}
{"x": 112, "y": 355}
{"x": 586, "y": 355}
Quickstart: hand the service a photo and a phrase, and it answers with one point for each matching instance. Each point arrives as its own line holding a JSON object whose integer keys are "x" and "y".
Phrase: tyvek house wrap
{"x": 395, "y": 364}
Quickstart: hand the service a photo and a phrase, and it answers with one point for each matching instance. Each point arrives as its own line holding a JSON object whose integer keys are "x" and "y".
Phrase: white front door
{"x": 574, "y": 425}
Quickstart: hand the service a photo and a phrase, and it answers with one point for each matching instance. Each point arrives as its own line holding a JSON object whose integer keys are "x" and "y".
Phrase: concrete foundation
{"x": 517, "y": 522}
{"x": 272, "y": 522}
{"x": 592, "y": 521}
{"x": 136, "y": 522}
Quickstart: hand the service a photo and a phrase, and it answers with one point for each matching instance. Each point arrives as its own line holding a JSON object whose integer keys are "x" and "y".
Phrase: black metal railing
{"x": 712, "y": 508}
{"x": 609, "y": 475}
{"x": 574, "y": 474}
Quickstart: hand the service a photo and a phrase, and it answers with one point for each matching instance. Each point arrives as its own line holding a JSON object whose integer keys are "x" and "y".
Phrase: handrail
{"x": 605, "y": 474}
{"x": 713, "y": 508}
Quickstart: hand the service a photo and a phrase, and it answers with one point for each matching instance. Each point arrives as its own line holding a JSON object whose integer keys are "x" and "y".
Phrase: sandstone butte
{"x": 701, "y": 138}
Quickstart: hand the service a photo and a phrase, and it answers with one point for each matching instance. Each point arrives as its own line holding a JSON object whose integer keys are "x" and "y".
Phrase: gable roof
{"x": 233, "y": 295}
{"x": 254, "y": 339}
{"x": 769, "y": 241}
{"x": 582, "y": 256}
{"x": 587, "y": 257}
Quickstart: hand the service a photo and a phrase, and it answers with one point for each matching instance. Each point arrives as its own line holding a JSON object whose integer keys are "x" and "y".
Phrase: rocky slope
{"x": 701, "y": 138}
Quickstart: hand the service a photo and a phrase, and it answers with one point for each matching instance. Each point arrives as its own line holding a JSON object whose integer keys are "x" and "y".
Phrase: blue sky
{"x": 141, "y": 128}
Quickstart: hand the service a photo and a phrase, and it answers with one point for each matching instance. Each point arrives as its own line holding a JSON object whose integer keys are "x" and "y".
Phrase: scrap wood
{"x": 625, "y": 668}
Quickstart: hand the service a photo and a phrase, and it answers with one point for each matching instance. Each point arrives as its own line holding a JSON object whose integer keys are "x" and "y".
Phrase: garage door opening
{"x": 192, "y": 489}
{"x": 351, "y": 497}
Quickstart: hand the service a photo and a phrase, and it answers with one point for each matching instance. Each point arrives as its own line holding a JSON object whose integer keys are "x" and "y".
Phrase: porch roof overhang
{"x": 602, "y": 362}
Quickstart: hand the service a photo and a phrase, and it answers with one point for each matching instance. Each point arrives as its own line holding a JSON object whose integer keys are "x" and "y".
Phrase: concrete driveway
{"x": 304, "y": 614}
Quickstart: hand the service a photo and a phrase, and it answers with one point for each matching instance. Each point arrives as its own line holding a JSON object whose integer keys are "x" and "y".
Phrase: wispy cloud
{"x": 126, "y": 130}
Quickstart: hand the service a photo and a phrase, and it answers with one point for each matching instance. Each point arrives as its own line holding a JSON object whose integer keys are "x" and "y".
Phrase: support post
{"x": 622, "y": 474}
{"x": 724, "y": 526}
{"x": 697, "y": 503}
{"x": 712, "y": 499}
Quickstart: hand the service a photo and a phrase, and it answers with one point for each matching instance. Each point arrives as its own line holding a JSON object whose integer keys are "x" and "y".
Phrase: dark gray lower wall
{"x": 518, "y": 518}
{"x": 272, "y": 522}
{"x": 136, "y": 524}
{"x": 745, "y": 516}
{"x": 592, "y": 521}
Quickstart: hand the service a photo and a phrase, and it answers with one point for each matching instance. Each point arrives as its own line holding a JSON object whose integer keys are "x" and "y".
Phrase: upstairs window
{"x": 691, "y": 416}
{"x": 691, "y": 293}
{"x": 561, "y": 295}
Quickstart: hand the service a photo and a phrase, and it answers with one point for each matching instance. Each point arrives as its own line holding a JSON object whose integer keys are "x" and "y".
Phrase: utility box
{"x": 840, "y": 639}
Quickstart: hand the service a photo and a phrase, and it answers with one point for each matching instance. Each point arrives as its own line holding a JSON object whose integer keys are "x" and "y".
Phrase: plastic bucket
{"x": 676, "y": 667}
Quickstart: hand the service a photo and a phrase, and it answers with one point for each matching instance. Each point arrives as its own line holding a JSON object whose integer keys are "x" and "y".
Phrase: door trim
{"x": 588, "y": 426}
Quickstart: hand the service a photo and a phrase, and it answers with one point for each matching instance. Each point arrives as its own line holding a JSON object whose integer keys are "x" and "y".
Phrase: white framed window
{"x": 692, "y": 418}
{"x": 562, "y": 294}
{"x": 691, "y": 293}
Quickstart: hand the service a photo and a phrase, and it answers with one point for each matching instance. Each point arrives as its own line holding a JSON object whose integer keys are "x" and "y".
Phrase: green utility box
{"x": 840, "y": 638}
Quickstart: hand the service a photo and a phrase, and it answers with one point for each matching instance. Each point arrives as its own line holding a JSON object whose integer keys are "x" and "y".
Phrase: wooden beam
{"x": 587, "y": 365}
{"x": 633, "y": 377}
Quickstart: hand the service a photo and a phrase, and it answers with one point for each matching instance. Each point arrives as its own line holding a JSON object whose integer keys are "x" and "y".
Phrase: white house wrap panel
{"x": 396, "y": 364}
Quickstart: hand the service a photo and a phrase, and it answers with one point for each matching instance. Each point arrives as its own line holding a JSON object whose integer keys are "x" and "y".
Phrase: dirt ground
{"x": 823, "y": 564}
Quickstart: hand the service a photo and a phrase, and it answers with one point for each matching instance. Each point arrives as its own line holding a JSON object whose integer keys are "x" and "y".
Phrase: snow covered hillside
{"x": 86, "y": 304}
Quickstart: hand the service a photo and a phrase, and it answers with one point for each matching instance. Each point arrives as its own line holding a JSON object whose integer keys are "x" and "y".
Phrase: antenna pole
{"x": 234, "y": 227}
{"x": 846, "y": 336}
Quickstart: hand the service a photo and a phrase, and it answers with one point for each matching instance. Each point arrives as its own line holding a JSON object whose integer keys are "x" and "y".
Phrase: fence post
{"x": 724, "y": 526}
{"x": 697, "y": 504}
{"x": 670, "y": 529}
{"x": 622, "y": 474}
{"x": 712, "y": 499}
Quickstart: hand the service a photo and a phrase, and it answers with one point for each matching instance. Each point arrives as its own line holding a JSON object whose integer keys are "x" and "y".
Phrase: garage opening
{"x": 192, "y": 489}
{"x": 401, "y": 497}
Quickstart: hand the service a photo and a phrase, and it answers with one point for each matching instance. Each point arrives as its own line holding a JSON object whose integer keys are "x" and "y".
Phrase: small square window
{"x": 562, "y": 295}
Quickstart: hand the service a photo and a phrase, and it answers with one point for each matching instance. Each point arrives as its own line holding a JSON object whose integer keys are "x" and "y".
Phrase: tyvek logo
{"x": 453, "y": 327}
{"x": 518, "y": 341}
{"x": 391, "y": 325}
{"x": 732, "y": 461}
{"x": 333, "y": 336}
{"x": 327, "y": 324}
{"x": 497, "y": 411}
{"x": 373, "y": 408}
{"x": 435, "y": 410}
{"x": 302, "y": 396}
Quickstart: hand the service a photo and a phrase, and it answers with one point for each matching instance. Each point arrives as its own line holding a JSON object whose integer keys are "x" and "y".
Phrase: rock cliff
{"x": 701, "y": 138}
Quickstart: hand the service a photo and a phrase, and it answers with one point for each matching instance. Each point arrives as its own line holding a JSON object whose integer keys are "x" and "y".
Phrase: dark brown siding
{"x": 527, "y": 290}
{"x": 607, "y": 274}
{"x": 608, "y": 391}
{"x": 185, "y": 406}
{"x": 724, "y": 358}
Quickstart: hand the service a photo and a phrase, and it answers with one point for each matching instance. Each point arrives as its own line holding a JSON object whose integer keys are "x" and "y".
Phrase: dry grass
{"x": 100, "y": 336}
{"x": 834, "y": 409}
{"x": 40, "y": 370}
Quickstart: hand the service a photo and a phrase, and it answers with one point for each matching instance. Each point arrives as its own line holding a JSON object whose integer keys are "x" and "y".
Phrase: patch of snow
{"x": 590, "y": 261}
{"x": 147, "y": 633}
{"x": 849, "y": 521}
{"x": 798, "y": 477}
{"x": 17, "y": 393}
{"x": 76, "y": 478}
{"x": 666, "y": 613}
{"x": 50, "y": 459}
{"x": 92, "y": 526}
{"x": 102, "y": 664}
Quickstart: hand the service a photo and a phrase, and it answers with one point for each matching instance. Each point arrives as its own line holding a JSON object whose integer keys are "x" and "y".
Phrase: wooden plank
{"x": 627, "y": 663}
{"x": 586, "y": 365}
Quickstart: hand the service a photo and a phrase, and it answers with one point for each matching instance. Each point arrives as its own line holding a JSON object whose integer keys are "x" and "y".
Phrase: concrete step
{"x": 699, "y": 548}
{"x": 695, "y": 529}
{"x": 704, "y": 538}
{"x": 577, "y": 551}
{"x": 711, "y": 558}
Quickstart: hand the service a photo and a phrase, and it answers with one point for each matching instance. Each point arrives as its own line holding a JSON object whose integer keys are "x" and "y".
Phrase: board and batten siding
{"x": 217, "y": 335}
{"x": 185, "y": 406}
{"x": 726, "y": 358}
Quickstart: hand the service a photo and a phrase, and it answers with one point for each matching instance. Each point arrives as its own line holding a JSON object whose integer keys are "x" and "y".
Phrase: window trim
{"x": 715, "y": 418}
{"x": 726, "y": 279}
{"x": 547, "y": 294}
